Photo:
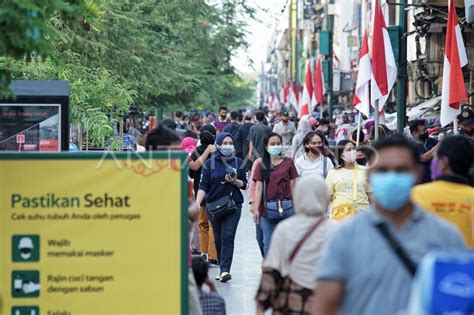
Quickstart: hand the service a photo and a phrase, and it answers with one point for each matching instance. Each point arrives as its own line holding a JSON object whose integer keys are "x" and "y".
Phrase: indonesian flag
{"x": 384, "y": 68}
{"x": 275, "y": 105}
{"x": 292, "y": 99}
{"x": 307, "y": 92}
{"x": 454, "y": 90}
{"x": 284, "y": 93}
{"x": 361, "y": 95}
{"x": 318, "y": 90}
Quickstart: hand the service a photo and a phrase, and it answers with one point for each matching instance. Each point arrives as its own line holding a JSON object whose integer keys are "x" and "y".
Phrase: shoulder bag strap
{"x": 325, "y": 166}
{"x": 298, "y": 246}
{"x": 397, "y": 248}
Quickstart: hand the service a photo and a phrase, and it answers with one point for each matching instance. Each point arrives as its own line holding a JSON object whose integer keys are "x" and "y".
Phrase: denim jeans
{"x": 259, "y": 234}
{"x": 224, "y": 234}
{"x": 267, "y": 229}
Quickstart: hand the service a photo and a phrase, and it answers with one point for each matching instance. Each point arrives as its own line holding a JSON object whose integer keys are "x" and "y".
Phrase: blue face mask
{"x": 392, "y": 190}
{"x": 275, "y": 150}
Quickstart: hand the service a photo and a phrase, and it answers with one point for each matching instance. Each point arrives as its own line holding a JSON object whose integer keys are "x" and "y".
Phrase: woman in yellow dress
{"x": 348, "y": 196}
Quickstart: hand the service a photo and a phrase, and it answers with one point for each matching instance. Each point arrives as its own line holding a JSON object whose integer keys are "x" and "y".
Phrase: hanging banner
{"x": 95, "y": 234}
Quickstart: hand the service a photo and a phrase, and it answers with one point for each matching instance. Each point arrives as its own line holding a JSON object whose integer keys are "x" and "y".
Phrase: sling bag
{"x": 397, "y": 248}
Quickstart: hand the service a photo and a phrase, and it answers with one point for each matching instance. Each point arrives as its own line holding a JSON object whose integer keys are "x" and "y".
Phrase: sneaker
{"x": 218, "y": 278}
{"x": 204, "y": 257}
{"x": 225, "y": 276}
{"x": 213, "y": 263}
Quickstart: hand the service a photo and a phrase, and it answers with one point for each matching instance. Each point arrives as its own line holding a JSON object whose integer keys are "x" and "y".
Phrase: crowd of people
{"x": 342, "y": 220}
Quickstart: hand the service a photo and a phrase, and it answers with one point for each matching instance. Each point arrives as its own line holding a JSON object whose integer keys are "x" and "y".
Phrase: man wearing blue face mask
{"x": 370, "y": 261}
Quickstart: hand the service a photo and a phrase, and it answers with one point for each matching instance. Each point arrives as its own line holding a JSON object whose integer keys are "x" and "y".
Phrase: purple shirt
{"x": 220, "y": 125}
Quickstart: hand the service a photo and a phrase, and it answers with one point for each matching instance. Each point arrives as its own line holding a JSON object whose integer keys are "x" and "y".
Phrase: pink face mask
{"x": 435, "y": 171}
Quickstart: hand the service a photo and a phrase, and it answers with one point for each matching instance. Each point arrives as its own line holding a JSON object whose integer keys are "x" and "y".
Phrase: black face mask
{"x": 361, "y": 161}
{"x": 424, "y": 136}
{"x": 467, "y": 132}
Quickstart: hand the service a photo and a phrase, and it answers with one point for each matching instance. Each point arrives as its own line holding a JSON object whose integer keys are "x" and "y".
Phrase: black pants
{"x": 224, "y": 234}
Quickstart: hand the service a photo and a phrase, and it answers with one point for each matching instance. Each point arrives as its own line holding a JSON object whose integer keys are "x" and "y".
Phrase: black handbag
{"x": 220, "y": 207}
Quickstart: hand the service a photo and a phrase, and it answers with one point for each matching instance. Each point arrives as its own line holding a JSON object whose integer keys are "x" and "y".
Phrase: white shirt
{"x": 308, "y": 166}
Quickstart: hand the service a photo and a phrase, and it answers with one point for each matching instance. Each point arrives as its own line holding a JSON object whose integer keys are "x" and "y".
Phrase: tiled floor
{"x": 239, "y": 293}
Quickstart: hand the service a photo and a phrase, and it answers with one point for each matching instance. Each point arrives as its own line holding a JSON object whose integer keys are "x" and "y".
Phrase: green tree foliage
{"x": 168, "y": 53}
{"x": 25, "y": 29}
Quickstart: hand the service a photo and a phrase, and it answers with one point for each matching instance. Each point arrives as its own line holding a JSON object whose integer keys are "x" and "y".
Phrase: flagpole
{"x": 359, "y": 121}
{"x": 376, "y": 120}
{"x": 455, "y": 126}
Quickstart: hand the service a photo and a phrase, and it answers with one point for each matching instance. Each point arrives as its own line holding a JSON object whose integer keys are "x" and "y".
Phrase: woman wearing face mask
{"x": 296, "y": 144}
{"x": 207, "y": 137}
{"x": 223, "y": 177}
{"x": 314, "y": 161}
{"x": 274, "y": 182}
{"x": 349, "y": 196}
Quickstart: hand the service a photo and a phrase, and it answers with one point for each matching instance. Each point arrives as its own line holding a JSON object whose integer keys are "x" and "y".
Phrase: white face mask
{"x": 227, "y": 149}
{"x": 25, "y": 256}
{"x": 349, "y": 156}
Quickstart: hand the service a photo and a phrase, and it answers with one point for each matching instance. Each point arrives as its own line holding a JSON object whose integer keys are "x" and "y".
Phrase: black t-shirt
{"x": 257, "y": 135}
{"x": 422, "y": 149}
{"x": 196, "y": 175}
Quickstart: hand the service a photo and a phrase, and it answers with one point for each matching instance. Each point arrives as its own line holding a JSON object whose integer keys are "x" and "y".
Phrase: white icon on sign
{"x": 32, "y": 312}
{"x": 25, "y": 246}
{"x": 30, "y": 287}
{"x": 458, "y": 284}
{"x": 18, "y": 284}
{"x": 26, "y": 286}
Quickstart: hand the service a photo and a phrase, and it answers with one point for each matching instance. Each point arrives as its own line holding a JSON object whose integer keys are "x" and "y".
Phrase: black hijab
{"x": 207, "y": 137}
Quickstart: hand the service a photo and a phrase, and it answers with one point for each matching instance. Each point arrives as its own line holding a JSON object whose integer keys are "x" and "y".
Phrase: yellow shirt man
{"x": 452, "y": 199}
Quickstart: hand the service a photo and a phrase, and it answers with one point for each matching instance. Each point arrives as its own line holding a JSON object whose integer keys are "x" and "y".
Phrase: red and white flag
{"x": 292, "y": 99}
{"x": 318, "y": 89}
{"x": 284, "y": 91}
{"x": 384, "y": 68}
{"x": 307, "y": 92}
{"x": 282, "y": 95}
{"x": 361, "y": 95}
{"x": 454, "y": 90}
{"x": 275, "y": 104}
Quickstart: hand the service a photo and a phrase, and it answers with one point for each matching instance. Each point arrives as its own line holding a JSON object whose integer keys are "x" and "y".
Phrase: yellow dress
{"x": 348, "y": 197}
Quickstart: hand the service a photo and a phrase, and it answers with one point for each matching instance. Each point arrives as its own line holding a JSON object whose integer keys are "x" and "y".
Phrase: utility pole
{"x": 402, "y": 69}
{"x": 330, "y": 28}
{"x": 297, "y": 63}
{"x": 292, "y": 29}
{"x": 262, "y": 85}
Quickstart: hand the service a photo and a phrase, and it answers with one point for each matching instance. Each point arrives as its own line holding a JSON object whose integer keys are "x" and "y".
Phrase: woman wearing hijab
{"x": 288, "y": 270}
{"x": 199, "y": 156}
{"x": 297, "y": 149}
{"x": 222, "y": 179}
